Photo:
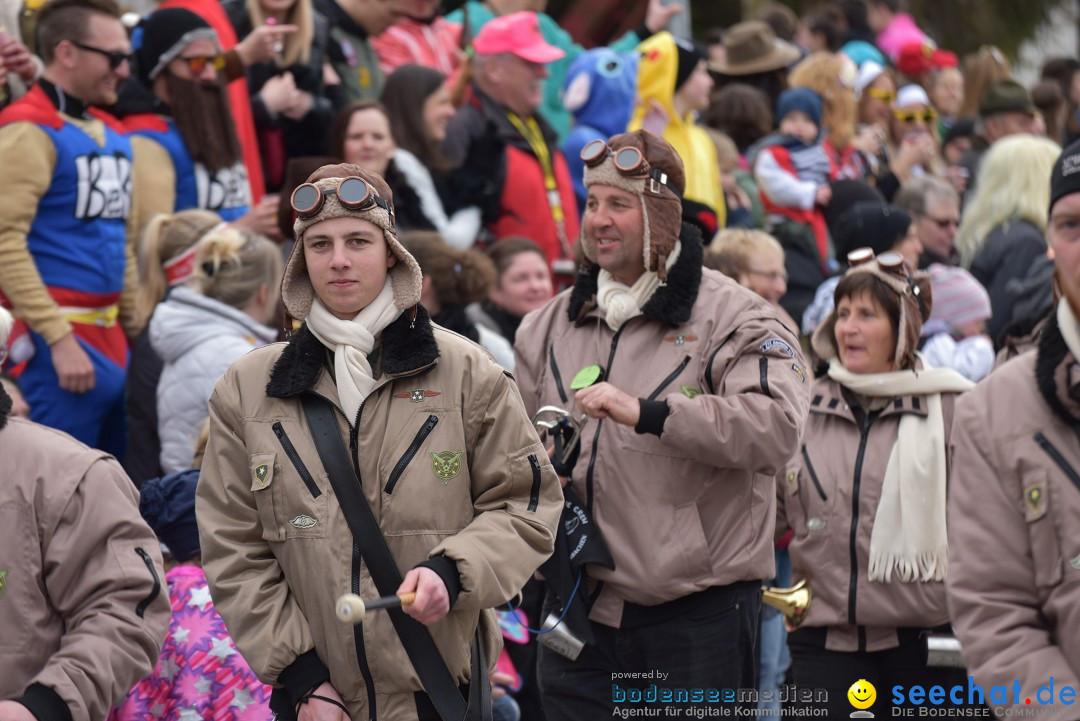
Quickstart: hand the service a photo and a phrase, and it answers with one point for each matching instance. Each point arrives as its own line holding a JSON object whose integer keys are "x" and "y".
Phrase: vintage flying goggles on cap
{"x": 352, "y": 192}
{"x": 629, "y": 161}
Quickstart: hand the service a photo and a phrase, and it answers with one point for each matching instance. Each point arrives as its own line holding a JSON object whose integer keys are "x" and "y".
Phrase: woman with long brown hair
{"x": 417, "y": 101}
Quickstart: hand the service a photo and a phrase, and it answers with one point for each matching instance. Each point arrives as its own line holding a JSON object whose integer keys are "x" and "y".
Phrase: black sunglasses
{"x": 116, "y": 58}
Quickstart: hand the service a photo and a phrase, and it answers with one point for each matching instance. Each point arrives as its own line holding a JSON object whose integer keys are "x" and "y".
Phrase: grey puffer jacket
{"x": 198, "y": 338}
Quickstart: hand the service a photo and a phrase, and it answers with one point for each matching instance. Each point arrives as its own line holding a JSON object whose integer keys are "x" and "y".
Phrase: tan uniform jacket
{"x": 450, "y": 465}
{"x": 693, "y": 507}
{"x": 1014, "y": 524}
{"x": 829, "y": 497}
{"x": 83, "y": 603}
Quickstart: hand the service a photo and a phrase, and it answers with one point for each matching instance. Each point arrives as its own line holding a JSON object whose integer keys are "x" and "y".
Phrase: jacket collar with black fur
{"x": 1056, "y": 374}
{"x": 406, "y": 346}
{"x": 5, "y": 406}
{"x": 671, "y": 304}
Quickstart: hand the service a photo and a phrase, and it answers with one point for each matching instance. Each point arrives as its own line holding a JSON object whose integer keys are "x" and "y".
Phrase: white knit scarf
{"x": 352, "y": 341}
{"x": 1070, "y": 328}
{"x": 909, "y": 536}
{"x": 621, "y": 302}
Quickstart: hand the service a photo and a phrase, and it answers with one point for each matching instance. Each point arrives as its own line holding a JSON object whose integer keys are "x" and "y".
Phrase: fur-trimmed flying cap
{"x": 661, "y": 204}
{"x": 405, "y": 277}
{"x": 915, "y": 300}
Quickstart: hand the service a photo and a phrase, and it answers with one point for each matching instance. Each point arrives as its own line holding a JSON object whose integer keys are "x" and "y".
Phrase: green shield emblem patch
{"x": 446, "y": 464}
{"x": 261, "y": 471}
{"x": 3, "y": 581}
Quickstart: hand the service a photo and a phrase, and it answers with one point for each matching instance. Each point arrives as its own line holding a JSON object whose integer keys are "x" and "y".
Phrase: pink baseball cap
{"x": 517, "y": 33}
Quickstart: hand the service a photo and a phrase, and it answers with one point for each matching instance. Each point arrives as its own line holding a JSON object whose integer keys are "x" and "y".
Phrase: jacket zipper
{"x": 290, "y": 451}
{"x": 140, "y": 610}
{"x": 667, "y": 381}
{"x": 555, "y": 373}
{"x": 534, "y": 497}
{"x": 358, "y": 629}
{"x": 709, "y": 365}
{"x": 853, "y": 583}
{"x": 599, "y": 425}
{"x": 1059, "y": 459}
{"x": 407, "y": 457}
{"x": 708, "y": 369}
{"x": 813, "y": 474}
{"x": 358, "y": 635}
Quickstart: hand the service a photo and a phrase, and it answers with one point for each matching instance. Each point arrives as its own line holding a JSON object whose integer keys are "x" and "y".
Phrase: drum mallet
{"x": 352, "y": 609}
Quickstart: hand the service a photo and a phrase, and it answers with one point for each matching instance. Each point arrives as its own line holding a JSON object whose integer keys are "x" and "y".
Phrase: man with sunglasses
{"x": 694, "y": 394}
{"x": 178, "y": 103}
{"x": 66, "y": 213}
{"x": 934, "y": 206}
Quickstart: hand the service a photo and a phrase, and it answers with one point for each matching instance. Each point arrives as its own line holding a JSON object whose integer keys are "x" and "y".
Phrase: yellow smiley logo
{"x": 862, "y": 694}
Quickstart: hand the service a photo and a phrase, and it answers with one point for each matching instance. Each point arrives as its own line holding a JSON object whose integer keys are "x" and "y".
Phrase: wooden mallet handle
{"x": 352, "y": 609}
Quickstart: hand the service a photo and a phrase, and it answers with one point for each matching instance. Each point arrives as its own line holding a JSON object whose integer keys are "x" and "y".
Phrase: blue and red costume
{"x": 225, "y": 192}
{"x": 78, "y": 244}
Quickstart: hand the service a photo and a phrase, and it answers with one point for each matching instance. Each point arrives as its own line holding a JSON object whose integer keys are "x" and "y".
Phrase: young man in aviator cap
{"x": 438, "y": 440}
{"x": 1012, "y": 584}
{"x": 695, "y": 394}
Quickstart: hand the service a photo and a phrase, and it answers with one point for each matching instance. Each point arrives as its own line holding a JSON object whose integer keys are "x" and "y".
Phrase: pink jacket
{"x": 199, "y": 669}
{"x": 435, "y": 45}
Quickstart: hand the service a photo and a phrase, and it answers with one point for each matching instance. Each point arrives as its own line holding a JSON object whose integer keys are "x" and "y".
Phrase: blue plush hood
{"x": 600, "y": 89}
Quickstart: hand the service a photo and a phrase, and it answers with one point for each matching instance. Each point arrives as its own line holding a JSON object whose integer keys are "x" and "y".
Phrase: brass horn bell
{"x": 792, "y": 602}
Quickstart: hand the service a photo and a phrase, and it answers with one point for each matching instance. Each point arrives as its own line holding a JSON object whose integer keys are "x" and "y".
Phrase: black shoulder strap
{"x": 424, "y": 655}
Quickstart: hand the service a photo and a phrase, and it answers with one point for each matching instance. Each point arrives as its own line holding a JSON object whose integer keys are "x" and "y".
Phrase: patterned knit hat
{"x": 916, "y": 304}
{"x": 405, "y": 277}
{"x": 958, "y": 299}
{"x": 661, "y": 204}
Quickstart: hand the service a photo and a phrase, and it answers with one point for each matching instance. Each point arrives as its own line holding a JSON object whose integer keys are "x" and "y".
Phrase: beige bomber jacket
{"x": 690, "y": 504}
{"x": 83, "y": 603}
{"x": 1014, "y": 525}
{"x": 450, "y": 465}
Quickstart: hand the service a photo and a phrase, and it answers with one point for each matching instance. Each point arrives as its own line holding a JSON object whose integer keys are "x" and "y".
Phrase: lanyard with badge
{"x": 530, "y": 130}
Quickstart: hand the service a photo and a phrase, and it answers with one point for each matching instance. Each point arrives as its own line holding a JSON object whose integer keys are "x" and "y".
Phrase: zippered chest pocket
{"x": 446, "y": 466}
{"x": 299, "y": 490}
{"x": 425, "y": 478}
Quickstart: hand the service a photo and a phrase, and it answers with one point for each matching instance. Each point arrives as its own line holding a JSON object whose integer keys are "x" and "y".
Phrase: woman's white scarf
{"x": 909, "y": 536}
{"x": 621, "y": 302}
{"x": 352, "y": 341}
{"x": 1070, "y": 328}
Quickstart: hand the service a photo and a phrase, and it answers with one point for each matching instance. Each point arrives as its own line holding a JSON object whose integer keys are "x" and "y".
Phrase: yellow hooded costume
{"x": 656, "y": 81}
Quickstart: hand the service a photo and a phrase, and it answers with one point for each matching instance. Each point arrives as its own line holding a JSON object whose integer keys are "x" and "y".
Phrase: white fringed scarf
{"x": 621, "y": 302}
{"x": 352, "y": 341}
{"x": 909, "y": 536}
